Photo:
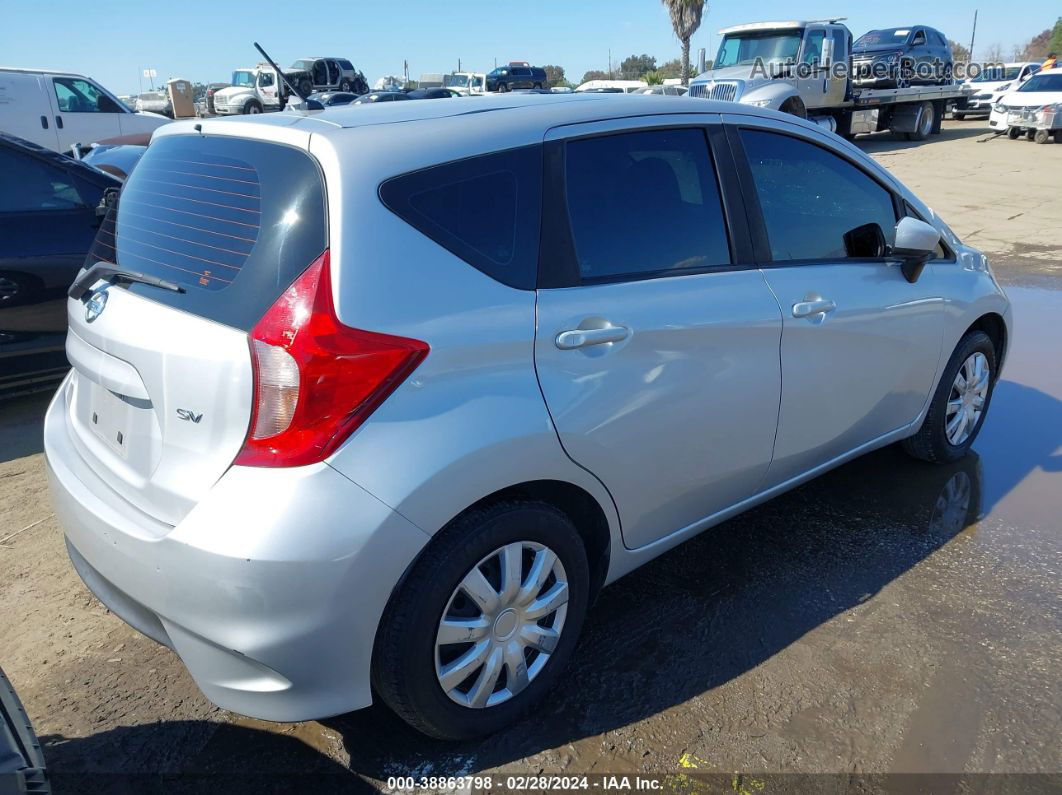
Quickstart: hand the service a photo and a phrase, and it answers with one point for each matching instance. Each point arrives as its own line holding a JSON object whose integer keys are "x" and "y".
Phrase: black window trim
{"x": 558, "y": 265}
{"x": 757, "y": 224}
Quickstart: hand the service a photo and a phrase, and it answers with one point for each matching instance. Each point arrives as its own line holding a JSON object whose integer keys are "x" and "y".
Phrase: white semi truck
{"x": 805, "y": 68}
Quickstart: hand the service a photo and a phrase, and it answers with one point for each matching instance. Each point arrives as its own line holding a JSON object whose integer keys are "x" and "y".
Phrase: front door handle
{"x": 809, "y": 308}
{"x": 582, "y": 338}
{"x": 59, "y": 122}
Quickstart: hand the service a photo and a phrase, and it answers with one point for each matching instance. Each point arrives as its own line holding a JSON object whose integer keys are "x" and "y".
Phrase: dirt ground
{"x": 890, "y": 617}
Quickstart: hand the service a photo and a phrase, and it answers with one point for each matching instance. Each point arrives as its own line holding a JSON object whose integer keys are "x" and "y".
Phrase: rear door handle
{"x": 44, "y": 122}
{"x": 582, "y": 338}
{"x": 808, "y": 308}
{"x": 59, "y": 122}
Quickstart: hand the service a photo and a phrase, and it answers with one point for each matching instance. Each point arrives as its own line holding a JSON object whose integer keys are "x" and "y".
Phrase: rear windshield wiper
{"x": 117, "y": 276}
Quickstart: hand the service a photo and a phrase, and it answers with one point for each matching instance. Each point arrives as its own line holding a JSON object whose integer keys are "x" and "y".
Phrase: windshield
{"x": 456, "y": 80}
{"x": 303, "y": 64}
{"x": 740, "y": 49}
{"x": 875, "y": 38}
{"x": 997, "y": 74}
{"x": 1043, "y": 83}
{"x": 242, "y": 77}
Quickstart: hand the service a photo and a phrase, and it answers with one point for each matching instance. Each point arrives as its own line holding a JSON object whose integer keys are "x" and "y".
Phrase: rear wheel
{"x": 1043, "y": 136}
{"x": 485, "y": 621}
{"x": 1030, "y": 135}
{"x": 926, "y": 118}
{"x": 305, "y": 87}
{"x": 960, "y": 403}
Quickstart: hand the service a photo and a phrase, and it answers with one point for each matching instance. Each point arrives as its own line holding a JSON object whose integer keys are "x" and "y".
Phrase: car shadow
{"x": 192, "y": 756}
{"x": 713, "y": 609}
{"x": 22, "y": 425}
{"x": 894, "y": 142}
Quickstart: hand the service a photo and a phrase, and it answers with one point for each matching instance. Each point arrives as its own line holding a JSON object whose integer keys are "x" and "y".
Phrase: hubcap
{"x": 966, "y": 403}
{"x": 501, "y": 625}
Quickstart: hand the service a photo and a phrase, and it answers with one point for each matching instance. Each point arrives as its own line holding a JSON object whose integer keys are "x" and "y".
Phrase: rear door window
{"x": 485, "y": 209}
{"x": 644, "y": 203}
{"x": 232, "y": 221}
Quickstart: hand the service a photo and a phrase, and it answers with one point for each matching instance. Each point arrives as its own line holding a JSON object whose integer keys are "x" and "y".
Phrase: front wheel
{"x": 502, "y": 88}
{"x": 485, "y": 622}
{"x": 960, "y": 403}
{"x": 345, "y": 86}
{"x": 958, "y": 116}
{"x": 254, "y": 106}
{"x": 1014, "y": 133}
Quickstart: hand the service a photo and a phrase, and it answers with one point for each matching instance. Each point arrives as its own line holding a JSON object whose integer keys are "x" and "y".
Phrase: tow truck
{"x": 804, "y": 67}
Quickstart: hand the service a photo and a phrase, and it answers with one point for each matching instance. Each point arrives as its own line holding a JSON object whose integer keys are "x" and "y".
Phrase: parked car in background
{"x": 380, "y": 96}
{"x": 1033, "y": 110}
{"x": 208, "y": 98}
{"x": 22, "y": 767}
{"x": 117, "y": 156}
{"x": 403, "y": 468}
{"x": 611, "y": 86}
{"x": 902, "y": 57}
{"x": 666, "y": 91}
{"x": 433, "y": 93}
{"x": 326, "y": 74}
{"x": 57, "y": 110}
{"x": 155, "y": 102}
{"x": 49, "y": 217}
{"x": 992, "y": 84}
{"x": 518, "y": 74}
{"x": 332, "y": 98}
{"x": 466, "y": 83}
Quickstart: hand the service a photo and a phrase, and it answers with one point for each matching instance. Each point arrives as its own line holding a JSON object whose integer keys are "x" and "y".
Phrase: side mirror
{"x": 916, "y": 242}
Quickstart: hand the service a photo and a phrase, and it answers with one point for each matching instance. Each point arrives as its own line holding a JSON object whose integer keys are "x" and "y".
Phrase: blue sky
{"x": 112, "y": 41}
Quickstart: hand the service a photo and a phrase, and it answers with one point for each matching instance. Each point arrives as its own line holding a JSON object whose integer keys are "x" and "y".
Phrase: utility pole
{"x": 609, "y": 63}
{"x": 458, "y": 64}
{"x": 972, "y": 35}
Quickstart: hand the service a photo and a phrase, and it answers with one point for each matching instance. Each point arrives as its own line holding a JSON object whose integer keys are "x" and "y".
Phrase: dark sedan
{"x": 433, "y": 93}
{"x": 901, "y": 57}
{"x": 50, "y": 210}
{"x": 380, "y": 96}
{"x": 332, "y": 98}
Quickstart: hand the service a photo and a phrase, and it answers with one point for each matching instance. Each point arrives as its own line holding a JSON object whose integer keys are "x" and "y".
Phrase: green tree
{"x": 685, "y": 19}
{"x": 594, "y": 74}
{"x": 673, "y": 68}
{"x": 958, "y": 52}
{"x": 635, "y": 67}
{"x": 555, "y": 75}
{"x": 1055, "y": 45}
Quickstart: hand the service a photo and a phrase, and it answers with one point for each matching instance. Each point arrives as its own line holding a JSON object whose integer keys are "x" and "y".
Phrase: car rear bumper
{"x": 270, "y": 590}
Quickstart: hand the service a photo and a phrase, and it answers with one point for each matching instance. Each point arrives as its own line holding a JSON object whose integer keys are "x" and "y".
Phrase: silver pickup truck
{"x": 804, "y": 68}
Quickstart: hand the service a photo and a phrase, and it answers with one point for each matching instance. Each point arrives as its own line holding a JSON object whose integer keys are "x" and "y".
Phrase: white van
{"x": 57, "y": 109}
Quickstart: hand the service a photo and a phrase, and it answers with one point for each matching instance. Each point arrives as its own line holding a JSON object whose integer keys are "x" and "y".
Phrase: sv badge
{"x": 191, "y": 416}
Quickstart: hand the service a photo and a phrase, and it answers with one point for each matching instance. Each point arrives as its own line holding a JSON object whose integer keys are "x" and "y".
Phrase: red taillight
{"x": 316, "y": 380}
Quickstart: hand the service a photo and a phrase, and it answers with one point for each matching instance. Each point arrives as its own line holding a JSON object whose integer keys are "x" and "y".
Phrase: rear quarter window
{"x": 232, "y": 221}
{"x": 485, "y": 210}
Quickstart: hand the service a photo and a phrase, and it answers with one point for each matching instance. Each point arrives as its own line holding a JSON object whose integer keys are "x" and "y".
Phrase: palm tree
{"x": 685, "y": 19}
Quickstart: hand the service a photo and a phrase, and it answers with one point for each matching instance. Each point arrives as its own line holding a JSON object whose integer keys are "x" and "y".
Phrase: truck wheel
{"x": 502, "y": 88}
{"x": 253, "y": 106}
{"x": 1030, "y": 135}
{"x": 1013, "y": 133}
{"x": 305, "y": 87}
{"x": 1042, "y": 136}
{"x": 795, "y": 106}
{"x": 925, "y": 122}
{"x": 958, "y": 116}
{"x": 345, "y": 86}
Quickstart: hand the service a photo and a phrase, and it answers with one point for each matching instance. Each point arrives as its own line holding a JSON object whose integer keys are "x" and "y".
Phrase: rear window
{"x": 232, "y": 221}
{"x": 485, "y": 209}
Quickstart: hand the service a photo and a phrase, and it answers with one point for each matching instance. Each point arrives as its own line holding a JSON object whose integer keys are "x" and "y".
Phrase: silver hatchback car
{"x": 377, "y": 399}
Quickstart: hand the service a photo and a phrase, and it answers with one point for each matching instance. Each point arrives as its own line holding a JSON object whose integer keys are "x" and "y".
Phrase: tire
{"x": 344, "y": 85}
{"x": 926, "y": 120}
{"x": 408, "y": 665}
{"x": 537, "y": 85}
{"x": 502, "y": 88}
{"x": 795, "y": 107}
{"x": 1058, "y": 136}
{"x": 252, "y": 107}
{"x": 1042, "y": 136}
{"x": 932, "y": 443}
{"x": 1030, "y": 135}
{"x": 958, "y": 116}
{"x": 1013, "y": 133}
{"x": 305, "y": 87}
